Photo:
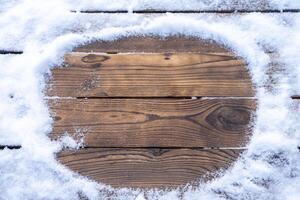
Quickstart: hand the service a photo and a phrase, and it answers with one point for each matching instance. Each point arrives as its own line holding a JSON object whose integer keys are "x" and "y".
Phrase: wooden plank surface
{"x": 154, "y": 122}
{"x": 151, "y": 75}
{"x": 147, "y": 168}
{"x": 140, "y": 125}
{"x": 151, "y": 44}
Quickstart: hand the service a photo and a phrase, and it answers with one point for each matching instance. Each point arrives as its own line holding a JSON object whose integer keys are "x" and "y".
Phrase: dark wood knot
{"x": 230, "y": 118}
{"x": 94, "y": 58}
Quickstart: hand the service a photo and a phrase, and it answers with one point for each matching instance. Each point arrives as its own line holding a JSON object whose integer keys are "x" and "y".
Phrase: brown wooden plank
{"x": 171, "y": 44}
{"x": 154, "y": 122}
{"x": 151, "y": 75}
{"x": 147, "y": 167}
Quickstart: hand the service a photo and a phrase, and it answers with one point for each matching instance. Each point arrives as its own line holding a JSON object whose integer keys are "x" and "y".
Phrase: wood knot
{"x": 230, "y": 118}
{"x": 94, "y": 58}
{"x": 57, "y": 118}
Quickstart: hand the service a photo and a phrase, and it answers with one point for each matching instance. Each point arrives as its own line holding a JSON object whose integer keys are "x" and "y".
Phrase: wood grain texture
{"x": 171, "y": 44}
{"x": 151, "y": 75}
{"x": 147, "y": 167}
{"x": 155, "y": 122}
{"x": 136, "y": 133}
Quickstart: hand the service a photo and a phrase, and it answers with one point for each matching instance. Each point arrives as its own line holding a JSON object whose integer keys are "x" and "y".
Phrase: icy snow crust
{"x": 46, "y": 30}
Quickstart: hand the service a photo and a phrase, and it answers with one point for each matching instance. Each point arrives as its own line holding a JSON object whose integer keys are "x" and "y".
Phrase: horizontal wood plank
{"x": 151, "y": 44}
{"x": 147, "y": 167}
{"x": 154, "y": 122}
{"x": 151, "y": 75}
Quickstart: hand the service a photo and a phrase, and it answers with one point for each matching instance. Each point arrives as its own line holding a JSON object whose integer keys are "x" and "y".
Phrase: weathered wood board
{"x": 147, "y": 167}
{"x": 151, "y": 75}
{"x": 155, "y": 122}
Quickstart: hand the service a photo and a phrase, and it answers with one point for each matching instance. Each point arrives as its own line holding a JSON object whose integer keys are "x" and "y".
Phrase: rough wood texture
{"x": 147, "y": 167}
{"x": 151, "y": 75}
{"x": 154, "y": 122}
{"x": 171, "y": 44}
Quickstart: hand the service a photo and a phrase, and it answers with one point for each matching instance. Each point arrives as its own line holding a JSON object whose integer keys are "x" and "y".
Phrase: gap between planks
{"x": 4, "y": 52}
{"x": 189, "y": 11}
{"x": 165, "y": 147}
{"x": 2, "y": 147}
{"x": 167, "y": 97}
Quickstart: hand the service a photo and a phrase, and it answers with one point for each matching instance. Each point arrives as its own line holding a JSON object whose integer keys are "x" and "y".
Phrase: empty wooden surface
{"x": 151, "y": 75}
{"x": 132, "y": 102}
{"x": 127, "y": 167}
{"x": 155, "y": 122}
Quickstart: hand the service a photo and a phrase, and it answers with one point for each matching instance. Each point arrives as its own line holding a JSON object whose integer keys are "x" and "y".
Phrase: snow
{"x": 183, "y": 4}
{"x": 46, "y": 30}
